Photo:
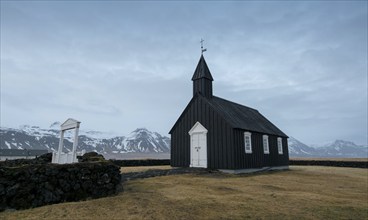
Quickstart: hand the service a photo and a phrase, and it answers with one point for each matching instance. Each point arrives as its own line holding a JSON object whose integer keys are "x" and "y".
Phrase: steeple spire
{"x": 202, "y": 79}
{"x": 202, "y": 70}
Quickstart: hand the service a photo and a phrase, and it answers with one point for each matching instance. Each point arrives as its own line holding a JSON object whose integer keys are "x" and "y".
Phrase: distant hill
{"x": 338, "y": 148}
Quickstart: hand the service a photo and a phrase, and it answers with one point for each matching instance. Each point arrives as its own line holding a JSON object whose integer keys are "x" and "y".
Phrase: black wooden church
{"x": 219, "y": 134}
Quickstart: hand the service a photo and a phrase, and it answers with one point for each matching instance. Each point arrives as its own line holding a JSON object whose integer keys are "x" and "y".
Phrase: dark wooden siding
{"x": 203, "y": 86}
{"x": 285, "y": 149}
{"x": 258, "y": 158}
{"x": 220, "y": 148}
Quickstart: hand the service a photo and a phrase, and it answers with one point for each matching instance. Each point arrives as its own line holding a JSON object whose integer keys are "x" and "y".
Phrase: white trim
{"x": 197, "y": 128}
{"x": 279, "y": 145}
{"x": 265, "y": 143}
{"x": 248, "y": 149}
{"x": 198, "y": 145}
{"x": 70, "y": 124}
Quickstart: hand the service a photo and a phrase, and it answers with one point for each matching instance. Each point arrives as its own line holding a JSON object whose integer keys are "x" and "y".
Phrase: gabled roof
{"x": 197, "y": 95}
{"x": 70, "y": 123}
{"x": 237, "y": 116}
{"x": 243, "y": 117}
{"x": 202, "y": 70}
{"x": 197, "y": 128}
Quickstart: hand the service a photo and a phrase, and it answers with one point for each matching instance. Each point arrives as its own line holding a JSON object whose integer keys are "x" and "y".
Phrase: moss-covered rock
{"x": 92, "y": 157}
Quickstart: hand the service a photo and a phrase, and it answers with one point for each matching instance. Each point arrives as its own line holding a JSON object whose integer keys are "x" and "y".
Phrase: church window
{"x": 248, "y": 142}
{"x": 266, "y": 149}
{"x": 279, "y": 145}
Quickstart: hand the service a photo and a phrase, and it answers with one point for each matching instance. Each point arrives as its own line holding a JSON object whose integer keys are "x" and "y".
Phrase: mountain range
{"x": 142, "y": 140}
{"x": 338, "y": 148}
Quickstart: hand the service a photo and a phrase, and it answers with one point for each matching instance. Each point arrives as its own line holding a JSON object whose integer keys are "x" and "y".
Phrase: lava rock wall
{"x": 36, "y": 185}
{"x": 332, "y": 163}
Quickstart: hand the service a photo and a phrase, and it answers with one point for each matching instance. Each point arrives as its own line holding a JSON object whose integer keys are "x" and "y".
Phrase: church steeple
{"x": 202, "y": 79}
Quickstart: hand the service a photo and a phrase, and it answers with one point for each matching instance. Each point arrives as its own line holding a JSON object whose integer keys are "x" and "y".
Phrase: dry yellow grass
{"x": 301, "y": 193}
{"x": 142, "y": 169}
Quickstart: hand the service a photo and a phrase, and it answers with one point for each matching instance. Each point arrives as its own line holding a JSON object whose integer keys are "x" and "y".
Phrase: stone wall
{"x": 333, "y": 163}
{"x": 34, "y": 185}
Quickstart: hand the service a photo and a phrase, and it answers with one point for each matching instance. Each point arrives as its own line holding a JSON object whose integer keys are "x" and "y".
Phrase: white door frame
{"x": 71, "y": 157}
{"x": 198, "y": 129}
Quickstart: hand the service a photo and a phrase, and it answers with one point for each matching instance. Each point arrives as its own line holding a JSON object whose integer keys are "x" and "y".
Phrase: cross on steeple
{"x": 202, "y": 50}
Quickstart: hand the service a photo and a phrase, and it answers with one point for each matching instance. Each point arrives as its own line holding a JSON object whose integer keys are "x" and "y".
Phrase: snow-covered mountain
{"x": 341, "y": 148}
{"x": 338, "y": 148}
{"x": 142, "y": 140}
{"x": 33, "y": 137}
{"x": 299, "y": 149}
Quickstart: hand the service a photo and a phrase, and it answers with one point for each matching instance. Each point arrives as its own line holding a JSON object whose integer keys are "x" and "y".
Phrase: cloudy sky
{"x": 117, "y": 66}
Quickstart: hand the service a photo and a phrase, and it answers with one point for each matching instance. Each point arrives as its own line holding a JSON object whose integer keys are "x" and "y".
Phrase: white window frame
{"x": 248, "y": 135}
{"x": 279, "y": 145}
{"x": 266, "y": 146}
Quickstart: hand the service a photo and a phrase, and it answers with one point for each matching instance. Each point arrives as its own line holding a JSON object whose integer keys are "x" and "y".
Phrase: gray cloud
{"x": 120, "y": 65}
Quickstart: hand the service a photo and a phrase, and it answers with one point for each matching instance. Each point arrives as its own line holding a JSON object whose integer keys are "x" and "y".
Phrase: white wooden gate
{"x": 60, "y": 157}
{"x": 198, "y": 146}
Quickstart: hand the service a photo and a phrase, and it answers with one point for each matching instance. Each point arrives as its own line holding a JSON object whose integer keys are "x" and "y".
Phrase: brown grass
{"x": 301, "y": 193}
{"x": 144, "y": 168}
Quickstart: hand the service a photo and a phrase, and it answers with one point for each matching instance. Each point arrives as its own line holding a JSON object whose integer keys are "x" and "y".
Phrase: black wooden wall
{"x": 220, "y": 148}
{"x": 258, "y": 158}
{"x": 203, "y": 86}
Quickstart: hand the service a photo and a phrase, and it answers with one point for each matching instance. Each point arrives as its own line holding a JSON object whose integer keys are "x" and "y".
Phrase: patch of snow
{"x": 56, "y": 125}
{"x": 7, "y": 144}
{"x": 98, "y": 134}
{"x": 304, "y": 151}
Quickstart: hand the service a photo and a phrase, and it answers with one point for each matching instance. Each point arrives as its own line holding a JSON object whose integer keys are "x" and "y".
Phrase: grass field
{"x": 304, "y": 192}
{"x": 142, "y": 169}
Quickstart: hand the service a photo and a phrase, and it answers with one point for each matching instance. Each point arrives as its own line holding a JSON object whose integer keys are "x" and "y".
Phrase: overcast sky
{"x": 117, "y": 66}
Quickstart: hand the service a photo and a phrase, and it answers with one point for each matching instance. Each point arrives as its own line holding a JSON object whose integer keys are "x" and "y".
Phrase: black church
{"x": 216, "y": 133}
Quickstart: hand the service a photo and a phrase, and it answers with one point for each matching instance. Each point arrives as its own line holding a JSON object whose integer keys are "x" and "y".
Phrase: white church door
{"x": 198, "y": 146}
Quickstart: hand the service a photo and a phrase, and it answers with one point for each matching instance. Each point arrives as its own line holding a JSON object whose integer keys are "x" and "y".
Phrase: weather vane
{"x": 203, "y": 50}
